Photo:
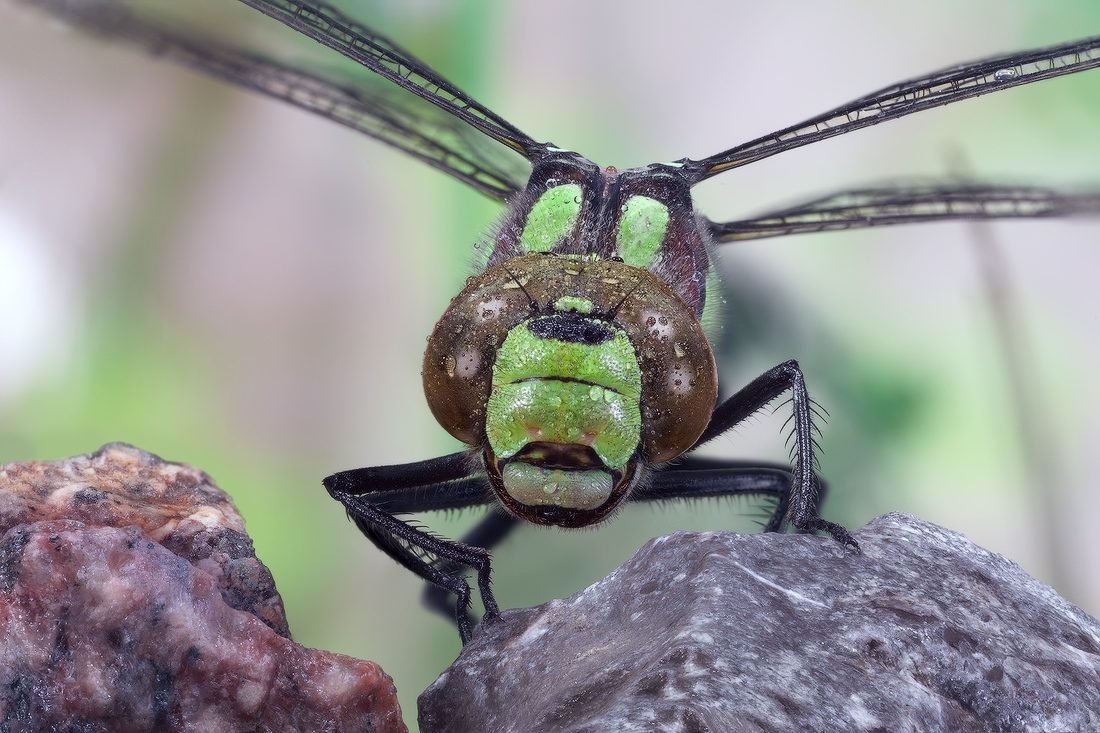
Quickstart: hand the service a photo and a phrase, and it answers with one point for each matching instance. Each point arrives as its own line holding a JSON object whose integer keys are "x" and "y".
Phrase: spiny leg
{"x": 803, "y": 511}
{"x": 692, "y": 477}
{"x": 487, "y": 533}
{"x": 372, "y": 498}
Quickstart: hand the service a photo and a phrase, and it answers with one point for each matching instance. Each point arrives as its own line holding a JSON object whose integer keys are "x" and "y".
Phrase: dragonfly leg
{"x": 805, "y": 491}
{"x": 374, "y": 496}
{"x": 691, "y": 477}
{"x": 487, "y": 533}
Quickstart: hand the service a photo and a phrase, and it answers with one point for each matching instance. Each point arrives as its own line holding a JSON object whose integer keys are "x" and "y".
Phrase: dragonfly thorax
{"x": 642, "y": 216}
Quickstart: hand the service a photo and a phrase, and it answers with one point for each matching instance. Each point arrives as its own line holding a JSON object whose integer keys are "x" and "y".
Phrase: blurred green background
{"x": 227, "y": 282}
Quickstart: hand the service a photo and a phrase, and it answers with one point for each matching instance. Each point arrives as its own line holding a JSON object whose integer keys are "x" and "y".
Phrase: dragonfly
{"x": 573, "y": 364}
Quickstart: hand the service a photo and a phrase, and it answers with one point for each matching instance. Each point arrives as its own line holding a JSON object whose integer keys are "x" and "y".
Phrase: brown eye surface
{"x": 679, "y": 381}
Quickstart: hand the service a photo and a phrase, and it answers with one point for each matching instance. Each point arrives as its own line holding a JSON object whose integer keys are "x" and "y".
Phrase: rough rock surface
{"x": 718, "y": 632}
{"x": 178, "y": 506}
{"x": 131, "y": 600}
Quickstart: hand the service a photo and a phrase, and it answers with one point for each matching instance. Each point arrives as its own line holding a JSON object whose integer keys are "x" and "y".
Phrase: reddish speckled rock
{"x": 131, "y": 600}
{"x": 177, "y": 505}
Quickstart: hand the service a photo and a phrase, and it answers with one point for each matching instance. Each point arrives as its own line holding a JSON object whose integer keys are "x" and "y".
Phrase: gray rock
{"x": 923, "y": 631}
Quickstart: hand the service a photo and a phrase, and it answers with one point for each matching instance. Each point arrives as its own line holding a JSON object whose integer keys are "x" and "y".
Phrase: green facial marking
{"x": 552, "y": 218}
{"x": 612, "y": 364}
{"x": 552, "y": 391}
{"x": 642, "y": 230}
{"x": 553, "y": 411}
{"x": 568, "y": 303}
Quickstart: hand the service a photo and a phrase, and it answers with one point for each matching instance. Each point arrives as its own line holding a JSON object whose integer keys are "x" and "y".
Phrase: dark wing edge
{"x": 943, "y": 87}
{"x": 910, "y": 204}
{"x": 329, "y": 26}
{"x": 446, "y": 142}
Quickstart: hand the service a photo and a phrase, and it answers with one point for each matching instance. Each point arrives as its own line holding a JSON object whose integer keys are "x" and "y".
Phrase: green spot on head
{"x": 552, "y": 391}
{"x": 642, "y": 229}
{"x": 573, "y": 303}
{"x": 552, "y": 218}
{"x": 553, "y": 411}
{"x": 612, "y": 365}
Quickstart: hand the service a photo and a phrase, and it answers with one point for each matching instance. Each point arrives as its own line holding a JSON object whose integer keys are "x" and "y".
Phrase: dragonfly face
{"x": 574, "y": 364}
{"x": 576, "y": 359}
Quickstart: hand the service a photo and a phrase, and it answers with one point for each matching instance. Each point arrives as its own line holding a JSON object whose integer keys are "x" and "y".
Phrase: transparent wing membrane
{"x": 431, "y": 119}
{"x": 327, "y": 25}
{"x": 943, "y": 87}
{"x": 439, "y": 135}
{"x": 908, "y": 205}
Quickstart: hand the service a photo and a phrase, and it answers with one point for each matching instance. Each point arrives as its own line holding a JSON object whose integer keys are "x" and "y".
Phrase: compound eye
{"x": 458, "y": 363}
{"x": 679, "y": 376}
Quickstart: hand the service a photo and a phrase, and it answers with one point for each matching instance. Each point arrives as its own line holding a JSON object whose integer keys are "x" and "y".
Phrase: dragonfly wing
{"x": 943, "y": 87}
{"x": 437, "y": 124}
{"x": 909, "y": 205}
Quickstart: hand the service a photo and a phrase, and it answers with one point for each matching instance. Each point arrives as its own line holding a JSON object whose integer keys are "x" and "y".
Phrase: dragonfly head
{"x": 571, "y": 374}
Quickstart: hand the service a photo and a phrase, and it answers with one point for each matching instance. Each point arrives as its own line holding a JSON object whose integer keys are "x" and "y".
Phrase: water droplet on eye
{"x": 1004, "y": 74}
